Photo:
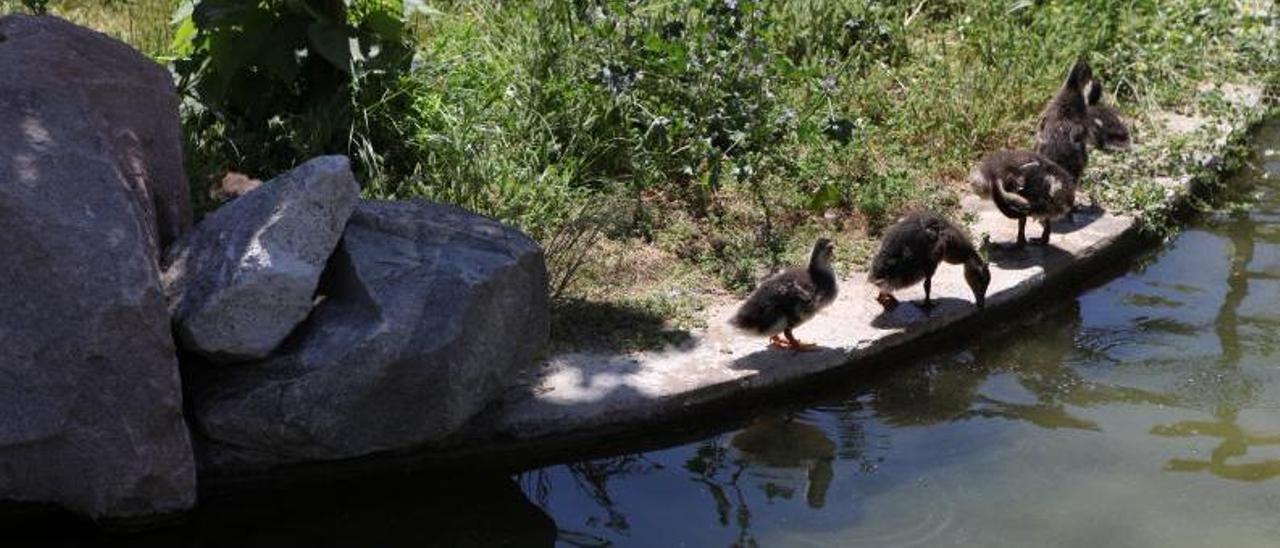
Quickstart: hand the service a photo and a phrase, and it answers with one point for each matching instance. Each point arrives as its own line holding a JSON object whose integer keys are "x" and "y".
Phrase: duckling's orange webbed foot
{"x": 796, "y": 345}
{"x": 777, "y": 341}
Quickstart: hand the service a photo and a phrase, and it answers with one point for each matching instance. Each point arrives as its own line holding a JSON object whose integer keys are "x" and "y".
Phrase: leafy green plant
{"x": 39, "y": 7}
{"x": 272, "y": 82}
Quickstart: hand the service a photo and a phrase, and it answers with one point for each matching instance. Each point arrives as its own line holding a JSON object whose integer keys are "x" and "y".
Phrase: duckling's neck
{"x": 823, "y": 275}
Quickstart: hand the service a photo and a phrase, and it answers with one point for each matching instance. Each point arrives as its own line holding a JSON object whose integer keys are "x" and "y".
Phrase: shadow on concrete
{"x": 909, "y": 313}
{"x": 1084, "y": 217}
{"x": 769, "y": 359}
{"x": 1008, "y": 257}
{"x": 580, "y": 324}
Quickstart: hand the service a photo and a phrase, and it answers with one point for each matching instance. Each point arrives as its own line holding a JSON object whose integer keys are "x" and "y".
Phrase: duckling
{"x": 1068, "y": 106}
{"x": 1065, "y": 116}
{"x": 911, "y": 250}
{"x": 789, "y": 298}
{"x": 1106, "y": 128}
{"x": 1026, "y": 184}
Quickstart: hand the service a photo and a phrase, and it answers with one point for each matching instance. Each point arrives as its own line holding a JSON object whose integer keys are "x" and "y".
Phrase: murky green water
{"x": 1146, "y": 412}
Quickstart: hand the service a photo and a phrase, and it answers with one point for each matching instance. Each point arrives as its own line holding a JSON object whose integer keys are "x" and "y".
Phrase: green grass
{"x": 144, "y": 24}
{"x": 704, "y": 146}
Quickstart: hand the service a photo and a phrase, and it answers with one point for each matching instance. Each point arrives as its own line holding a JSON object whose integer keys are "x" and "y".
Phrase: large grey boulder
{"x": 125, "y": 103}
{"x": 428, "y": 311}
{"x": 90, "y": 185}
{"x": 246, "y": 276}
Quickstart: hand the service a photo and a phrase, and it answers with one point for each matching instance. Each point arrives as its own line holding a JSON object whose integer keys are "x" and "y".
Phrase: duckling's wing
{"x": 907, "y": 254}
{"x": 779, "y": 300}
{"x": 1033, "y": 181}
{"x": 797, "y": 297}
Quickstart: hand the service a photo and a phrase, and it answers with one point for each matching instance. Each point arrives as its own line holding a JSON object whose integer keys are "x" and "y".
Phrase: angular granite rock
{"x": 428, "y": 312}
{"x": 246, "y": 276}
{"x": 90, "y": 184}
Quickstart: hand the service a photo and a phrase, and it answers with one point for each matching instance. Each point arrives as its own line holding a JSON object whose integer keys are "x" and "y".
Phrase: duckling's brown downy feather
{"x": 791, "y": 297}
{"x": 1069, "y": 103}
{"x": 912, "y": 249}
{"x": 1063, "y": 125}
{"x": 1031, "y": 185}
{"x": 909, "y": 251}
{"x": 1107, "y": 129}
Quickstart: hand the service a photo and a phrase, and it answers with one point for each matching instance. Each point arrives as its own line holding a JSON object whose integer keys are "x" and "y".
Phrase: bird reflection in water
{"x": 774, "y": 448}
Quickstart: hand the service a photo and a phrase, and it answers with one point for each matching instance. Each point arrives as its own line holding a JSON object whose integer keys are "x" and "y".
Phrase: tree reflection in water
{"x": 592, "y": 478}
{"x": 1236, "y": 391}
{"x": 1037, "y": 354}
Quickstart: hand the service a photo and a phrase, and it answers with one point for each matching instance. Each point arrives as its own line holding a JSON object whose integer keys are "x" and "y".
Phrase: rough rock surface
{"x": 124, "y": 103}
{"x": 246, "y": 276}
{"x": 428, "y": 312}
{"x": 90, "y": 184}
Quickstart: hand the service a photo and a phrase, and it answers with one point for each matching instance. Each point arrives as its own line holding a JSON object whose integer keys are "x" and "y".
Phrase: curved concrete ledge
{"x": 575, "y": 402}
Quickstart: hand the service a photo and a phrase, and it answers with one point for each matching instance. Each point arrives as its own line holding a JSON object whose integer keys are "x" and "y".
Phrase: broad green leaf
{"x": 386, "y": 25}
{"x": 184, "y": 38}
{"x": 827, "y": 196}
{"x": 217, "y": 13}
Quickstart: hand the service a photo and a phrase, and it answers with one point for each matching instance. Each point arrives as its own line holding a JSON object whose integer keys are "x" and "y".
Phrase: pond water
{"x": 1145, "y": 412}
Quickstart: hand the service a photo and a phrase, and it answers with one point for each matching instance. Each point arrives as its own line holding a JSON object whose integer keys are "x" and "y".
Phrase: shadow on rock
{"x": 579, "y": 324}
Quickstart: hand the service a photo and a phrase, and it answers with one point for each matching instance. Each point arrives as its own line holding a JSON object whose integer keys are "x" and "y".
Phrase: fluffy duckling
{"x": 911, "y": 250}
{"x": 1106, "y": 128}
{"x": 1026, "y": 184}
{"x": 1065, "y": 116}
{"x": 789, "y": 298}
{"x": 1069, "y": 104}
{"x": 1107, "y": 131}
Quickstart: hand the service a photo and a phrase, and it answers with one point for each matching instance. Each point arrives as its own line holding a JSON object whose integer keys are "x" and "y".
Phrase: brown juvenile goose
{"x": 789, "y": 298}
{"x": 911, "y": 250}
{"x": 1026, "y": 184}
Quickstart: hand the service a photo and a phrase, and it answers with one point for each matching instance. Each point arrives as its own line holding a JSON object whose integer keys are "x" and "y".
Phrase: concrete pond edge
{"x": 534, "y": 427}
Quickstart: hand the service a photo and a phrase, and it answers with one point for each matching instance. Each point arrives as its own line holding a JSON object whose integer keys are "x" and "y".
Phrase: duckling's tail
{"x": 1009, "y": 203}
{"x": 751, "y": 317}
